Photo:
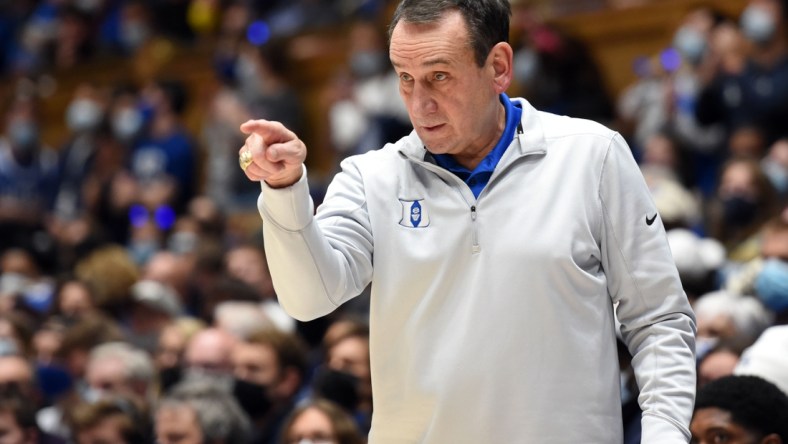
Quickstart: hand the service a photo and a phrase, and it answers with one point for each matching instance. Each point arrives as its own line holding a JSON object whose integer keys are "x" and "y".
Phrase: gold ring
{"x": 245, "y": 159}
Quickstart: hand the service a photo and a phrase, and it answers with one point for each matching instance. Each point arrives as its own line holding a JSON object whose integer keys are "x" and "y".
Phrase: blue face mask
{"x": 777, "y": 174}
{"x": 24, "y": 136}
{"x": 771, "y": 285}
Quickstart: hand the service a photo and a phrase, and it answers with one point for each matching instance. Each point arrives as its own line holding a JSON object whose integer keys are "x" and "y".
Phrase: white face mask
{"x": 758, "y": 25}
{"x": 126, "y": 123}
{"x": 704, "y": 344}
{"x": 134, "y": 34}
{"x": 83, "y": 115}
{"x": 690, "y": 43}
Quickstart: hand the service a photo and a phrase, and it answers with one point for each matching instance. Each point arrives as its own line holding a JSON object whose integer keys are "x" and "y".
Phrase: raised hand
{"x": 271, "y": 153}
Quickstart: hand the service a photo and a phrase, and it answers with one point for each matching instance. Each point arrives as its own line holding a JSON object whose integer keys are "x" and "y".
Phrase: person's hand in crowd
{"x": 276, "y": 154}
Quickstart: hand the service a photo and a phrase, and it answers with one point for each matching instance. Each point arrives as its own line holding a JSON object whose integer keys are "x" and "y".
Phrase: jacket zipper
{"x": 475, "y": 247}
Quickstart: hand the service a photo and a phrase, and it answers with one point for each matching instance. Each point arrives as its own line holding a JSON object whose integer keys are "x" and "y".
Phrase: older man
{"x": 505, "y": 241}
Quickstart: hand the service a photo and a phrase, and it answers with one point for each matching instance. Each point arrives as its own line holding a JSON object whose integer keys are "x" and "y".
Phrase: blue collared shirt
{"x": 478, "y": 178}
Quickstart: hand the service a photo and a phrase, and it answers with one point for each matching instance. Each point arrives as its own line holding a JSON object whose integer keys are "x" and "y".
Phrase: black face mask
{"x": 168, "y": 377}
{"x": 739, "y": 211}
{"x": 337, "y": 386}
{"x": 253, "y": 398}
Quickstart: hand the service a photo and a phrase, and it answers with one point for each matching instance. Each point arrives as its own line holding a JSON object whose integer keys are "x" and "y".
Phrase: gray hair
{"x": 241, "y": 318}
{"x": 219, "y": 415}
{"x": 137, "y": 362}
{"x": 749, "y": 316}
{"x": 487, "y": 20}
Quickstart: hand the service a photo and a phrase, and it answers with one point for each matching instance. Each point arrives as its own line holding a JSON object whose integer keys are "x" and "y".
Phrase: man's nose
{"x": 423, "y": 100}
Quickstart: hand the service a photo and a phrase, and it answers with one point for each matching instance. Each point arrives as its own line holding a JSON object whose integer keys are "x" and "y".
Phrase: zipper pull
{"x": 475, "y": 247}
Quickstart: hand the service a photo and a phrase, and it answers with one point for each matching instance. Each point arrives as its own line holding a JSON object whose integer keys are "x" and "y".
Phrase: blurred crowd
{"x": 134, "y": 307}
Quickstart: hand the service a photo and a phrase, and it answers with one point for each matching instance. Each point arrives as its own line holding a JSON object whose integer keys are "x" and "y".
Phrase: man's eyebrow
{"x": 430, "y": 62}
{"x": 436, "y": 61}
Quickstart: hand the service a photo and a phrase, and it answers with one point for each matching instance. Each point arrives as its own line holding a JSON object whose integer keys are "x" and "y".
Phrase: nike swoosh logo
{"x": 650, "y": 221}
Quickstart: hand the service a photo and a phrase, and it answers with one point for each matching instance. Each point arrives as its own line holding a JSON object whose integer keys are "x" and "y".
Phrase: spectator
{"x": 113, "y": 421}
{"x": 740, "y": 409}
{"x": 135, "y": 28}
{"x": 197, "y": 412}
{"x": 17, "y": 376}
{"x": 74, "y": 299}
{"x": 28, "y": 172}
{"x": 698, "y": 260}
{"x": 345, "y": 376}
{"x": 47, "y": 340}
{"x": 248, "y": 264}
{"x": 730, "y": 319}
{"x": 747, "y": 142}
{"x": 696, "y": 40}
{"x": 242, "y": 319}
{"x": 759, "y": 94}
{"x": 717, "y": 363}
{"x": 18, "y": 422}
{"x": 119, "y": 370}
{"x": 766, "y": 275}
{"x": 84, "y": 115}
{"x": 172, "y": 342}
{"x": 209, "y": 353}
{"x": 744, "y": 201}
{"x": 170, "y": 269}
{"x": 276, "y": 361}
{"x": 110, "y": 271}
{"x": 16, "y": 331}
{"x": 165, "y": 155}
{"x": 775, "y": 166}
{"x": 74, "y": 40}
{"x": 153, "y": 306}
{"x": 81, "y": 337}
{"x": 320, "y": 421}
{"x": 768, "y": 357}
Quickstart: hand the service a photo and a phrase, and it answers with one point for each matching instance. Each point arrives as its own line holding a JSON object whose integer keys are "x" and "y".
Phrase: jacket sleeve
{"x": 317, "y": 262}
{"x": 657, "y": 322}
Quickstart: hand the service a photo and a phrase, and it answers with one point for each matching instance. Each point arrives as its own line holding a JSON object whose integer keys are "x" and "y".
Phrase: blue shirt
{"x": 478, "y": 178}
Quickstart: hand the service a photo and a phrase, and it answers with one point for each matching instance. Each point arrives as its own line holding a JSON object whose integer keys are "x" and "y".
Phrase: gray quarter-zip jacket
{"x": 492, "y": 319}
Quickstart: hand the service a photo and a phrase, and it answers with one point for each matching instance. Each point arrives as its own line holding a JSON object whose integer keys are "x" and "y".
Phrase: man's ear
{"x": 500, "y": 61}
{"x": 772, "y": 439}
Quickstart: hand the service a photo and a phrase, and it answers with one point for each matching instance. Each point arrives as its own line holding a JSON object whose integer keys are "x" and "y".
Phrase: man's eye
{"x": 441, "y": 76}
{"x": 720, "y": 438}
{"x": 405, "y": 77}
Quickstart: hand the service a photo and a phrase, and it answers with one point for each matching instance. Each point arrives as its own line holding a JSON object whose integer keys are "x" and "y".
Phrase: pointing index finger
{"x": 253, "y": 126}
{"x": 271, "y": 132}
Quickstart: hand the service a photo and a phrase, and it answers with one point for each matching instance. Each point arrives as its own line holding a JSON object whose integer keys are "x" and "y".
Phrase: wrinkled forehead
{"x": 423, "y": 44}
{"x": 451, "y": 24}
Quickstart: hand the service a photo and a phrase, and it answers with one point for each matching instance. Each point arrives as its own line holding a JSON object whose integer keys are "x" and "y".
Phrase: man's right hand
{"x": 277, "y": 153}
